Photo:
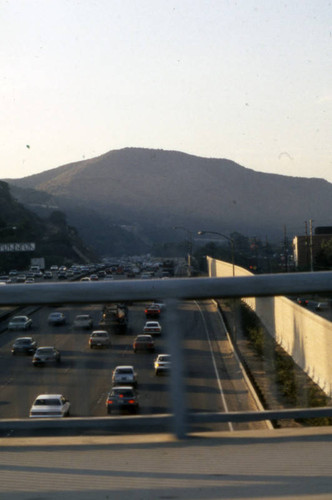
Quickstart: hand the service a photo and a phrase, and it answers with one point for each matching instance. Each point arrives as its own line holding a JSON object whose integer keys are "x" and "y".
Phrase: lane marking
{"x": 215, "y": 366}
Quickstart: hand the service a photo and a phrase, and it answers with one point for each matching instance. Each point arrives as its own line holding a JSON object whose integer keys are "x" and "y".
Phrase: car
{"x": 122, "y": 398}
{"x": 94, "y": 277}
{"x": 20, "y": 323}
{"x": 62, "y": 275}
{"x": 24, "y": 345}
{"x": 152, "y": 311}
{"x": 85, "y": 278}
{"x": 162, "y": 363}
{"x": 46, "y": 355}
{"x": 100, "y": 338}
{"x": 124, "y": 375}
{"x": 160, "y": 305}
{"x": 21, "y": 278}
{"x": 54, "y": 268}
{"x": 302, "y": 301}
{"x": 30, "y": 280}
{"x": 83, "y": 321}
{"x": 152, "y": 327}
{"x": 50, "y": 406}
{"x": 56, "y": 318}
{"x": 48, "y": 275}
{"x": 143, "y": 343}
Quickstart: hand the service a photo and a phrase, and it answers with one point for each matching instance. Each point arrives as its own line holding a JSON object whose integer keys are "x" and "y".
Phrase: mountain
{"x": 146, "y": 192}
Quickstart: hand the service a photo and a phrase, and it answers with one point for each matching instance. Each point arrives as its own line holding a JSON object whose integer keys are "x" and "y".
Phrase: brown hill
{"x": 153, "y": 190}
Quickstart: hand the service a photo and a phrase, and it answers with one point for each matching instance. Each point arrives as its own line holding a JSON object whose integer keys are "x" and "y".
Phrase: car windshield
{"x": 164, "y": 358}
{"x": 47, "y": 402}
{"x": 23, "y": 341}
{"x": 123, "y": 371}
{"x": 45, "y": 350}
{"x": 126, "y": 393}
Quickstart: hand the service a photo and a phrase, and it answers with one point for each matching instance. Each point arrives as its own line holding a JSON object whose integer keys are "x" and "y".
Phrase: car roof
{"x": 120, "y": 388}
{"x": 144, "y": 337}
{"x": 45, "y": 347}
{"x": 127, "y": 367}
{"x": 23, "y": 338}
{"x": 49, "y": 396}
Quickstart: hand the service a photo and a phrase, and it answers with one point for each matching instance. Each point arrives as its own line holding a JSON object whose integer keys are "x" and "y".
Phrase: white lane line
{"x": 215, "y": 366}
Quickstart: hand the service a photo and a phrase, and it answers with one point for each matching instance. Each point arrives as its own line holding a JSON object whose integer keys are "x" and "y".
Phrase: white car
{"x": 100, "y": 338}
{"x": 124, "y": 375}
{"x": 83, "y": 321}
{"x": 152, "y": 327}
{"x": 50, "y": 406}
{"x": 20, "y": 323}
{"x": 56, "y": 318}
{"x": 162, "y": 363}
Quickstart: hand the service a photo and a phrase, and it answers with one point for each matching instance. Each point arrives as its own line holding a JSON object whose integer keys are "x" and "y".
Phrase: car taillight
{"x": 110, "y": 402}
{"x": 131, "y": 401}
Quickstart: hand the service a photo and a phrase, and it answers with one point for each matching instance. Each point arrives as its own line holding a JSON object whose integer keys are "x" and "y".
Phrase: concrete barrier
{"x": 304, "y": 335}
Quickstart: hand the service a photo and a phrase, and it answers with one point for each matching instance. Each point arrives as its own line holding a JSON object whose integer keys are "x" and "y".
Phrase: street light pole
{"x": 190, "y": 247}
{"x": 200, "y": 233}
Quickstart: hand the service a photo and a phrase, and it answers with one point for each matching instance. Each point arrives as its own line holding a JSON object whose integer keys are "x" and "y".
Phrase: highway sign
{"x": 17, "y": 247}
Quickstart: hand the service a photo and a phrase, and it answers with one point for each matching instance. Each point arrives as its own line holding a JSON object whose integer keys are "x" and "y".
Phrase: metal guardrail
{"x": 171, "y": 290}
{"x": 175, "y": 288}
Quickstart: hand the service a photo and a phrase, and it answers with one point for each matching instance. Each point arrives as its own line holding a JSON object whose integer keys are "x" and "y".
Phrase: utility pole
{"x": 311, "y": 244}
{"x": 306, "y": 244}
{"x": 286, "y": 249}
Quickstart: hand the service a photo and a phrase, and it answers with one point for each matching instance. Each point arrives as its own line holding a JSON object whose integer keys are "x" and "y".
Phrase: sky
{"x": 250, "y": 81}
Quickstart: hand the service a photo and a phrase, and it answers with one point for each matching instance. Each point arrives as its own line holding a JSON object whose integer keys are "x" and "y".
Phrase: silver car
{"x": 46, "y": 355}
{"x": 100, "y": 338}
{"x": 124, "y": 375}
{"x": 83, "y": 321}
{"x": 20, "y": 323}
{"x": 49, "y": 406}
{"x": 162, "y": 364}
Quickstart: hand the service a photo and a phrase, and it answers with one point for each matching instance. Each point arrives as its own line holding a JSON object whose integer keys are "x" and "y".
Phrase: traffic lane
{"x": 21, "y": 382}
{"x": 84, "y": 375}
{"x": 237, "y": 394}
{"x": 202, "y": 393}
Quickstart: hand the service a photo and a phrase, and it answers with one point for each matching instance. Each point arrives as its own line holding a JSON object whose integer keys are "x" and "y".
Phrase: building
{"x": 307, "y": 247}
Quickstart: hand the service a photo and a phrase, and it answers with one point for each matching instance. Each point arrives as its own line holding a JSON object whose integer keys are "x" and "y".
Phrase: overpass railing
{"x": 171, "y": 291}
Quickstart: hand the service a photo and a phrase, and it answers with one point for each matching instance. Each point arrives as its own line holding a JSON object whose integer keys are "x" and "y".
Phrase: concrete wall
{"x": 304, "y": 335}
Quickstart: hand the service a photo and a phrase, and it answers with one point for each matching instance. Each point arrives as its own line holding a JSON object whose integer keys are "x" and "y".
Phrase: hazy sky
{"x": 246, "y": 80}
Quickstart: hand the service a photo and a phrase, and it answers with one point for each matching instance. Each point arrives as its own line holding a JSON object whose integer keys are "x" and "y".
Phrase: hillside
{"x": 53, "y": 238}
{"x": 153, "y": 190}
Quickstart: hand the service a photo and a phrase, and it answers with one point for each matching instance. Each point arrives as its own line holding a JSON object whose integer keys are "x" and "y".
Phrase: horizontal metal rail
{"x": 154, "y": 424}
{"x": 180, "y": 288}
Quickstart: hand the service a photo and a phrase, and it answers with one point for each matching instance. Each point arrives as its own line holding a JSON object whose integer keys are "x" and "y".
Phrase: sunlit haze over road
{"x": 250, "y": 81}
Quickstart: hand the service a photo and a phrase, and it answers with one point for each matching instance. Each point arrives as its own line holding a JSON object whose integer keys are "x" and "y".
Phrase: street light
{"x": 190, "y": 249}
{"x": 200, "y": 233}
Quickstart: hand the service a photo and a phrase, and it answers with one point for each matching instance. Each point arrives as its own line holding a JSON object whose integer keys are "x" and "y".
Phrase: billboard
{"x": 17, "y": 247}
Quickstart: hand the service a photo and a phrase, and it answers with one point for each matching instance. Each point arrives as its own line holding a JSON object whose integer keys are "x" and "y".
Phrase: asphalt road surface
{"x": 213, "y": 379}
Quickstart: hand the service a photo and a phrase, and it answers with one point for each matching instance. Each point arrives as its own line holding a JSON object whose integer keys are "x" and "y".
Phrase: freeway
{"x": 213, "y": 379}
